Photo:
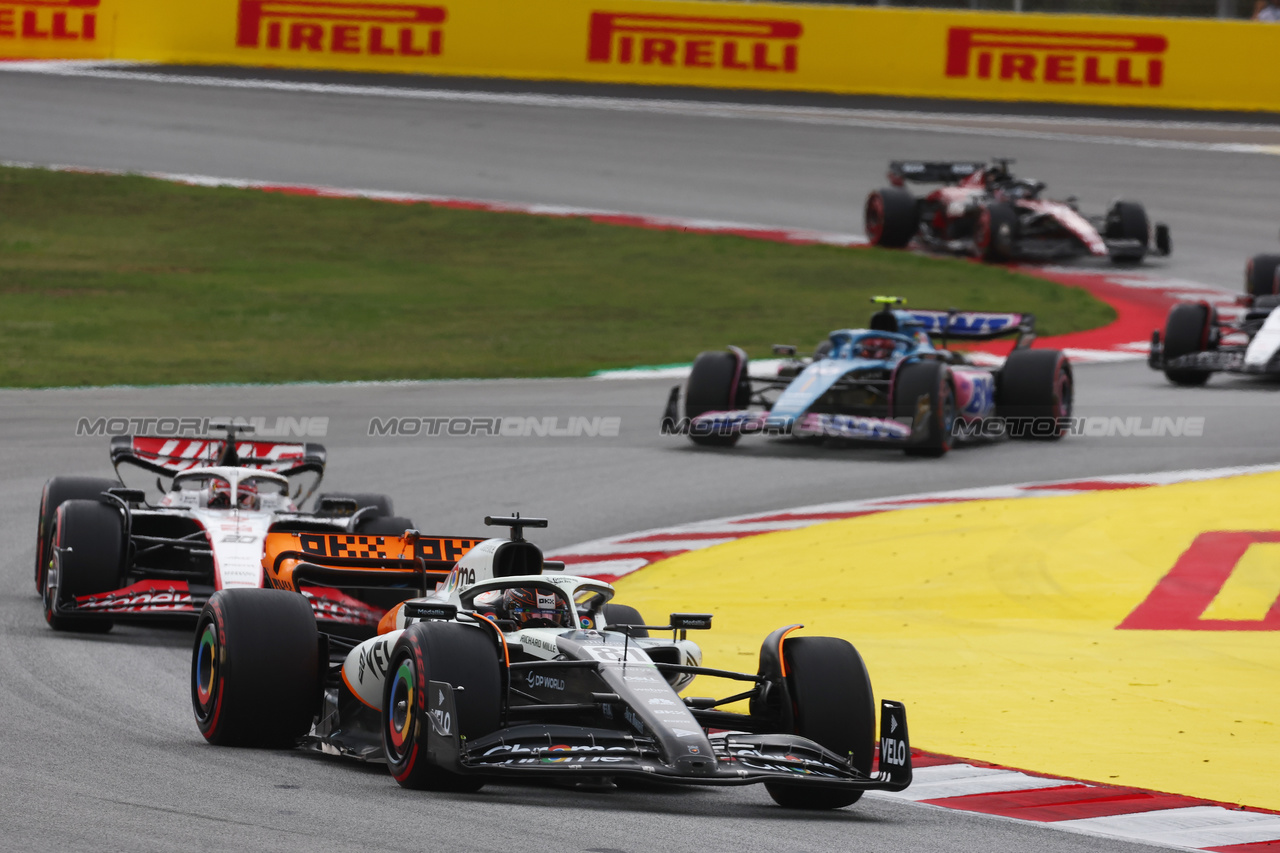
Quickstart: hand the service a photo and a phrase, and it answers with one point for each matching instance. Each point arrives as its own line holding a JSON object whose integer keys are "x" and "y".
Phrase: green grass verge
{"x": 129, "y": 280}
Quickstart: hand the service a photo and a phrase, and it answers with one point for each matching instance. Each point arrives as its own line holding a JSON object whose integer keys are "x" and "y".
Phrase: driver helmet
{"x": 536, "y": 608}
{"x": 877, "y": 349}
{"x": 219, "y": 494}
{"x": 247, "y": 495}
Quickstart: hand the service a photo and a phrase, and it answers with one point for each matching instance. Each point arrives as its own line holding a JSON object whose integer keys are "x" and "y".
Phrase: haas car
{"x": 892, "y": 383}
{"x": 513, "y": 669}
{"x": 985, "y": 211}
{"x": 104, "y": 552}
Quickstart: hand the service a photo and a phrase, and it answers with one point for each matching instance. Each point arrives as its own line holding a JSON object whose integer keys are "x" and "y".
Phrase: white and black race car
{"x": 512, "y": 669}
{"x": 104, "y": 551}
{"x": 1199, "y": 341}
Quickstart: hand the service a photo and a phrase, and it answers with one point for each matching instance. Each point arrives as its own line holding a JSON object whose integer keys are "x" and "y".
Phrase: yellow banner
{"x": 1159, "y": 62}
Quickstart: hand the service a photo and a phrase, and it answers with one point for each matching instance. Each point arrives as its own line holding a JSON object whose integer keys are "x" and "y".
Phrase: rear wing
{"x": 925, "y": 172}
{"x": 168, "y": 455}
{"x": 976, "y": 325}
{"x": 357, "y": 560}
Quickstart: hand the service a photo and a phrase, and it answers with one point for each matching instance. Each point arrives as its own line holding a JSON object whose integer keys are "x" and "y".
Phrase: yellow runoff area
{"x": 996, "y": 623}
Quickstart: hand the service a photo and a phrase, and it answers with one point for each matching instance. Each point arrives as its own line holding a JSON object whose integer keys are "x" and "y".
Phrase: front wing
{"x": 811, "y": 424}
{"x": 737, "y": 759}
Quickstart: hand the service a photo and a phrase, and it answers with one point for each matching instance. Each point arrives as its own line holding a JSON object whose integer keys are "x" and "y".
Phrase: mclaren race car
{"x": 1199, "y": 342}
{"x": 104, "y": 551}
{"x": 891, "y": 383}
{"x": 984, "y": 210}
{"x": 512, "y": 669}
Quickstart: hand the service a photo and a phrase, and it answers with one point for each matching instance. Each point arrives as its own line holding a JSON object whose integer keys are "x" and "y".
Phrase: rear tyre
{"x": 890, "y": 218}
{"x": 833, "y": 705}
{"x": 461, "y": 655}
{"x": 622, "y": 614}
{"x": 1127, "y": 220}
{"x": 87, "y": 557}
{"x": 717, "y": 383}
{"x": 381, "y": 503}
{"x": 1260, "y": 275}
{"x": 922, "y": 394}
{"x": 1186, "y": 332}
{"x": 996, "y": 233}
{"x": 255, "y": 668}
{"x": 56, "y": 491}
{"x": 384, "y": 525}
{"x": 1036, "y": 384}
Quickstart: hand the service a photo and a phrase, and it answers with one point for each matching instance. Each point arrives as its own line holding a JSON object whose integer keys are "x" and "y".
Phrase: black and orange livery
{"x": 354, "y": 579}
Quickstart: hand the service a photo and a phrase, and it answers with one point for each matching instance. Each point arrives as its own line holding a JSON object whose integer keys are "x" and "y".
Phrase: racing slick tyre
{"x": 86, "y": 557}
{"x": 890, "y": 218}
{"x": 1186, "y": 331}
{"x": 922, "y": 394}
{"x": 255, "y": 668}
{"x": 996, "y": 233}
{"x": 464, "y": 656}
{"x": 1260, "y": 275}
{"x": 623, "y": 614}
{"x": 385, "y": 525}
{"x": 832, "y": 704}
{"x": 1035, "y": 384}
{"x": 1127, "y": 220}
{"x": 381, "y": 503}
{"x": 56, "y": 491}
{"x": 717, "y": 383}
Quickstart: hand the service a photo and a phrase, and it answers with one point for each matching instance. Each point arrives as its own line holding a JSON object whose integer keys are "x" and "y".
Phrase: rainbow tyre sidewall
{"x": 208, "y": 667}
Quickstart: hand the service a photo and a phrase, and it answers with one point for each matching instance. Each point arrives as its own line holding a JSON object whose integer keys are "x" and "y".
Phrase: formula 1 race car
{"x": 890, "y": 383}
{"x": 985, "y": 211}
{"x": 1198, "y": 342}
{"x": 103, "y": 551}
{"x": 512, "y": 669}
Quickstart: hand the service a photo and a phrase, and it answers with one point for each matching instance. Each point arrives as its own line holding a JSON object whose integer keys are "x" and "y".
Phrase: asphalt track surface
{"x": 97, "y": 746}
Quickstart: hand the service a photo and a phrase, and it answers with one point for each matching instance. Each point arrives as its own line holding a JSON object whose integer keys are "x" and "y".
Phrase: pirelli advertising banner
{"x": 991, "y": 56}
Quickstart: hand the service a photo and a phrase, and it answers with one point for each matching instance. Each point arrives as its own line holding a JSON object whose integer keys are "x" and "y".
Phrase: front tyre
{"x": 464, "y": 656}
{"x": 1186, "y": 331}
{"x": 255, "y": 668}
{"x": 56, "y": 492}
{"x": 717, "y": 383}
{"x": 1127, "y": 220}
{"x": 87, "y": 557}
{"x": 923, "y": 396}
{"x": 833, "y": 705}
{"x": 1036, "y": 385}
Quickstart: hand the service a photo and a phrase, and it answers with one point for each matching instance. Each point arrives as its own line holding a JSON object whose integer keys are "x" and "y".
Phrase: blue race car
{"x": 890, "y": 383}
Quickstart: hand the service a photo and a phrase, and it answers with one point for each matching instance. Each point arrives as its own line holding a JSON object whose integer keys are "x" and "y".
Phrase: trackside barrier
{"x": 1208, "y": 64}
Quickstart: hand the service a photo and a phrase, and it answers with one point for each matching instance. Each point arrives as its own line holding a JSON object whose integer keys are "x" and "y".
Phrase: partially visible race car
{"x": 1262, "y": 275}
{"x": 984, "y": 210}
{"x": 890, "y": 383}
{"x": 512, "y": 669}
{"x": 104, "y": 552}
{"x": 1198, "y": 341}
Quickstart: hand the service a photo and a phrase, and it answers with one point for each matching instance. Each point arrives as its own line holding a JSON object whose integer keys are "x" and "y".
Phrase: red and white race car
{"x": 103, "y": 551}
{"x": 985, "y": 211}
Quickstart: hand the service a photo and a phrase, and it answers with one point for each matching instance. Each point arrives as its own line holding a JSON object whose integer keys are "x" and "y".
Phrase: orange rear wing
{"x": 291, "y": 559}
